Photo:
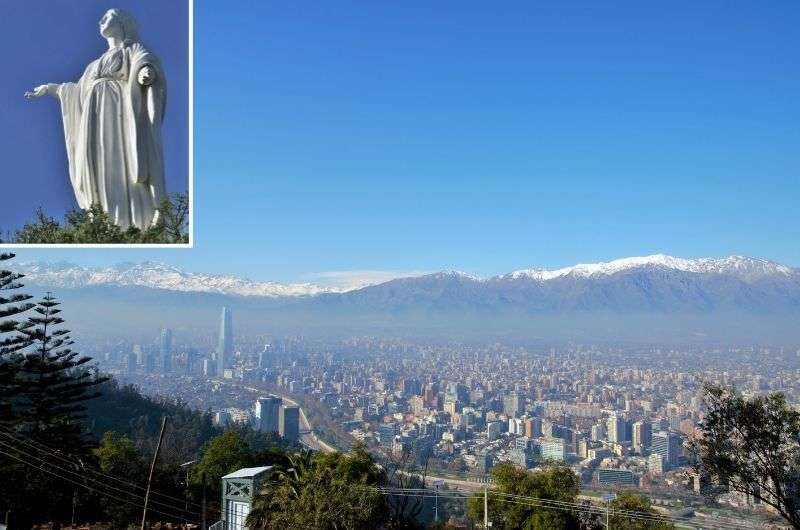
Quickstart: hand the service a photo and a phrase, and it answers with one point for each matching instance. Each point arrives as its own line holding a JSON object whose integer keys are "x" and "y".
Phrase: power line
{"x": 84, "y": 485}
{"x": 17, "y": 437}
{"x": 566, "y": 506}
{"x": 99, "y": 489}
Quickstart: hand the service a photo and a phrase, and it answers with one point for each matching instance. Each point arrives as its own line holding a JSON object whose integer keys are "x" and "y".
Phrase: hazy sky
{"x": 53, "y": 42}
{"x": 352, "y": 136}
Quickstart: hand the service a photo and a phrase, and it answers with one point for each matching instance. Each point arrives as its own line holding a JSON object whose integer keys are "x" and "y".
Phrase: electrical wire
{"x": 89, "y": 479}
{"x": 17, "y": 437}
{"x": 567, "y": 506}
{"x": 126, "y": 501}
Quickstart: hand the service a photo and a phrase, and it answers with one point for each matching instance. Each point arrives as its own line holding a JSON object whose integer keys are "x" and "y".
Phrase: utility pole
{"x": 186, "y": 466}
{"x": 486, "y": 506}
{"x": 152, "y": 467}
{"x": 608, "y": 497}
{"x": 437, "y": 483}
{"x": 203, "y": 520}
{"x": 436, "y": 506}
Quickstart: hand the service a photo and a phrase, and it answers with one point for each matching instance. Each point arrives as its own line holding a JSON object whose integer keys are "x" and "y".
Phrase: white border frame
{"x": 190, "y": 244}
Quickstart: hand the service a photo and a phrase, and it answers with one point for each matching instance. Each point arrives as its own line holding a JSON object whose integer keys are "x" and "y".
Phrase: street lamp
{"x": 187, "y": 466}
{"x": 608, "y": 497}
{"x": 437, "y": 483}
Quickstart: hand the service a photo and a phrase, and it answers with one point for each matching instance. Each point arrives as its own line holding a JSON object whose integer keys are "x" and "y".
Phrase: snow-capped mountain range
{"x": 158, "y": 276}
{"x": 652, "y": 299}
{"x": 166, "y": 277}
{"x": 742, "y": 267}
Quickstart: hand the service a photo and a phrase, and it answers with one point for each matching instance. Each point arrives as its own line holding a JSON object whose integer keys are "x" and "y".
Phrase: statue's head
{"x": 117, "y": 23}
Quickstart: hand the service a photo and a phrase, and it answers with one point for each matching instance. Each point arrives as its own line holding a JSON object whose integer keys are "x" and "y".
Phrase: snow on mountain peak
{"x": 740, "y": 266}
{"x": 159, "y": 276}
{"x": 162, "y": 276}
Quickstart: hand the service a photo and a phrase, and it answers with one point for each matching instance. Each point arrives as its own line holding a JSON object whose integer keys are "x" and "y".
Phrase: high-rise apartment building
{"x": 616, "y": 428}
{"x": 289, "y": 422}
{"x": 533, "y": 427}
{"x": 642, "y": 435}
{"x": 554, "y": 449}
{"x": 512, "y": 404}
{"x": 268, "y": 413}
{"x": 668, "y": 445}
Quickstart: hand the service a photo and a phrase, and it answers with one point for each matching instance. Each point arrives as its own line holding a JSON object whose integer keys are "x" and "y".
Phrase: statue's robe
{"x": 112, "y": 126}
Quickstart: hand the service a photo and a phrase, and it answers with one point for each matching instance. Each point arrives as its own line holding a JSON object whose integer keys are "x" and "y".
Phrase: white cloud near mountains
{"x": 356, "y": 279}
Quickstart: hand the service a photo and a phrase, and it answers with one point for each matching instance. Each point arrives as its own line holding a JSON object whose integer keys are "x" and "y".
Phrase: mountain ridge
{"x": 167, "y": 277}
{"x": 648, "y": 300}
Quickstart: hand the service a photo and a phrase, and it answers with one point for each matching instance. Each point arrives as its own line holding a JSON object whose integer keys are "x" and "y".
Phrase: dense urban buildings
{"x": 620, "y": 417}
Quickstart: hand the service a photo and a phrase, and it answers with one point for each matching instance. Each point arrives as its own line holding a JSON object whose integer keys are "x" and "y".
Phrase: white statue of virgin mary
{"x": 112, "y": 125}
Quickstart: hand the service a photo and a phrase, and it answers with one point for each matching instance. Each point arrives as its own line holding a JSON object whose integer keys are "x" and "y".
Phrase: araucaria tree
{"x": 43, "y": 385}
{"x": 53, "y": 383}
{"x": 751, "y": 446}
{"x": 11, "y": 340}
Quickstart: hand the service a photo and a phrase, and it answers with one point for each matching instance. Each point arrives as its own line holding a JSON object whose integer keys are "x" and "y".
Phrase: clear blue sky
{"x": 52, "y": 42}
{"x": 429, "y": 135}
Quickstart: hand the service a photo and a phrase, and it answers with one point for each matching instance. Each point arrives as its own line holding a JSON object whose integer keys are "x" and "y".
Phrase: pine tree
{"x": 54, "y": 383}
{"x": 12, "y": 341}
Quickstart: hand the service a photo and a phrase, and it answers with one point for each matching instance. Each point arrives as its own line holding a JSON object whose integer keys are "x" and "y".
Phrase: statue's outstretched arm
{"x": 48, "y": 89}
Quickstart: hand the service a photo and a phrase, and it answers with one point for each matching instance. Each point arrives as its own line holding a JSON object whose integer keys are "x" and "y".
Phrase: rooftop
{"x": 248, "y": 472}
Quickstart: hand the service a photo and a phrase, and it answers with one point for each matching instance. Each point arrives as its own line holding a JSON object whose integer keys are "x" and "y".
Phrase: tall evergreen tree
{"x": 54, "y": 383}
{"x": 11, "y": 340}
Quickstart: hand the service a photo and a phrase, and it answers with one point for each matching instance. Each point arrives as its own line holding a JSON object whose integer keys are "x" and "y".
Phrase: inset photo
{"x": 97, "y": 123}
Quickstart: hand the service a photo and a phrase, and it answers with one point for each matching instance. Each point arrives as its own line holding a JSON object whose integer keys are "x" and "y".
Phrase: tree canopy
{"x": 94, "y": 226}
{"x": 554, "y": 482}
{"x": 333, "y": 491}
{"x": 751, "y": 446}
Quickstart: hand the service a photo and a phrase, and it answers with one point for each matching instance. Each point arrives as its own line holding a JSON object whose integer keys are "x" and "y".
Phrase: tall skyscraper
{"x": 225, "y": 344}
{"x": 289, "y": 422}
{"x": 268, "y": 413}
{"x": 165, "y": 350}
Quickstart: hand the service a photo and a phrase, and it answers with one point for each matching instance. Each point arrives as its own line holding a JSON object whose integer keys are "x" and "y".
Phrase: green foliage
{"x": 94, "y": 226}
{"x": 124, "y": 410}
{"x": 48, "y": 385}
{"x": 225, "y": 453}
{"x": 117, "y": 456}
{"x": 53, "y": 382}
{"x": 322, "y": 491}
{"x": 553, "y": 482}
{"x": 11, "y": 340}
{"x": 631, "y": 502}
{"x": 751, "y": 446}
